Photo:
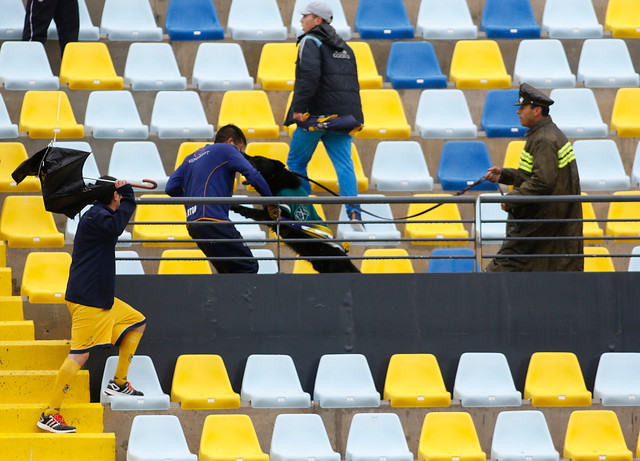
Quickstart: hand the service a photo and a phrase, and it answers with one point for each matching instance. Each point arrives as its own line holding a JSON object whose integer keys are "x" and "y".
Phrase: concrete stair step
{"x": 17, "y": 330}
{"x": 68, "y": 447}
{"x": 33, "y": 355}
{"x": 22, "y": 418}
{"x": 34, "y": 386}
{"x": 11, "y": 308}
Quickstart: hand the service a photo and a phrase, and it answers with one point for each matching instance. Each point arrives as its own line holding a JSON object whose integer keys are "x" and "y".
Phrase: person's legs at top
{"x": 67, "y": 20}
{"x": 231, "y": 250}
{"x": 303, "y": 144}
{"x": 37, "y": 19}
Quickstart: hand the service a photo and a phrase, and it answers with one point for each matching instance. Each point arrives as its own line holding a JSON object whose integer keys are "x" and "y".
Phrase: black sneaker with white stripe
{"x": 55, "y": 423}
{"x": 114, "y": 388}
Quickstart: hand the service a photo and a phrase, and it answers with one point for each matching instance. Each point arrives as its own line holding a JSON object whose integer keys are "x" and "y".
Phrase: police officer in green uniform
{"x": 547, "y": 167}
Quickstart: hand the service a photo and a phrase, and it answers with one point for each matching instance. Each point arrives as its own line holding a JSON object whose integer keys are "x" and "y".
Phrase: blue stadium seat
{"x": 570, "y": 19}
{"x": 452, "y": 260}
{"x": 509, "y": 19}
{"x": 414, "y": 65}
{"x": 600, "y": 165}
{"x": 617, "y": 380}
{"x": 154, "y": 437}
{"x": 500, "y": 117}
{"x": 400, "y": 166}
{"x": 543, "y": 64}
{"x": 522, "y": 435}
{"x": 193, "y": 20}
{"x": 606, "y": 63}
{"x": 255, "y": 20}
{"x": 12, "y": 20}
{"x": 576, "y": 113}
{"x": 448, "y": 20}
{"x": 209, "y": 75}
{"x": 386, "y": 19}
{"x": 452, "y": 119}
{"x": 462, "y": 163}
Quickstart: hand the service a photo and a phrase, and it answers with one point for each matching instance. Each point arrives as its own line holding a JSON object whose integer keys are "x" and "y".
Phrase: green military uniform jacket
{"x": 547, "y": 167}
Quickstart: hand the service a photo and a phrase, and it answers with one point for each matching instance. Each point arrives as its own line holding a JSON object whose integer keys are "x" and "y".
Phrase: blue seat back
{"x": 193, "y": 20}
{"x": 462, "y": 163}
{"x": 414, "y": 65}
{"x": 500, "y": 117}
{"x": 386, "y": 19}
{"x": 451, "y": 264}
{"x": 509, "y": 19}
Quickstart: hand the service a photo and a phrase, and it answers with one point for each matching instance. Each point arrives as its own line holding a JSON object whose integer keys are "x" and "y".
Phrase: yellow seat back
{"x": 250, "y": 111}
{"x": 590, "y": 229}
{"x": 624, "y": 117}
{"x": 435, "y": 230}
{"x": 230, "y": 438}
{"x": 184, "y": 266}
{"x": 166, "y": 232}
{"x": 447, "y": 436}
{"x": 187, "y": 148}
{"x": 45, "y": 276}
{"x": 623, "y": 18}
{"x": 368, "y": 75}
{"x": 554, "y": 379}
{"x": 277, "y": 66}
{"x": 598, "y": 264}
{"x": 13, "y": 154}
{"x": 302, "y": 266}
{"x": 88, "y": 66}
{"x": 512, "y": 156}
{"x": 24, "y": 223}
{"x": 273, "y": 150}
{"x": 384, "y": 116}
{"x": 478, "y": 64}
{"x": 41, "y": 118}
{"x": 415, "y": 380}
{"x": 624, "y": 210}
{"x": 322, "y": 170}
{"x": 377, "y": 266}
{"x": 594, "y": 435}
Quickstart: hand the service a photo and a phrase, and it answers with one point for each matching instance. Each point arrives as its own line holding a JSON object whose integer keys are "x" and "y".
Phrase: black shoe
{"x": 55, "y": 423}
{"x": 114, "y": 388}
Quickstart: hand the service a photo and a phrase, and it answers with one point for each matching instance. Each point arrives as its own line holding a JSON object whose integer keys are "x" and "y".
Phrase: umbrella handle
{"x": 151, "y": 184}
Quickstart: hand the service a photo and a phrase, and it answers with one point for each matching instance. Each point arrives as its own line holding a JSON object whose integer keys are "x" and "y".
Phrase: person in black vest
{"x": 40, "y": 13}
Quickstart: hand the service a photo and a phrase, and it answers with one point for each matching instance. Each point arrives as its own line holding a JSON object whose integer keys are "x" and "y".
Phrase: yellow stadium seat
{"x": 3, "y": 254}
{"x": 273, "y": 150}
{"x": 554, "y": 379}
{"x": 40, "y": 117}
{"x": 624, "y": 210}
{"x": 88, "y": 66}
{"x": 6, "y": 284}
{"x": 623, "y": 18}
{"x": 435, "y": 230}
{"x": 230, "y": 438}
{"x": 598, "y": 264}
{"x": 321, "y": 169}
{"x": 368, "y": 75}
{"x": 13, "y": 154}
{"x": 45, "y": 276}
{"x": 24, "y": 223}
{"x": 449, "y": 436}
{"x": 166, "y": 232}
{"x": 184, "y": 266}
{"x": 302, "y": 266}
{"x": 594, "y": 435}
{"x": 11, "y": 308}
{"x": 512, "y": 156}
{"x": 624, "y": 117}
{"x": 187, "y": 148}
{"x": 200, "y": 381}
{"x": 415, "y": 380}
{"x": 478, "y": 64}
{"x": 16, "y": 330}
{"x": 277, "y": 66}
{"x": 384, "y": 115}
{"x": 249, "y": 110}
{"x": 377, "y": 266}
{"x": 590, "y": 229}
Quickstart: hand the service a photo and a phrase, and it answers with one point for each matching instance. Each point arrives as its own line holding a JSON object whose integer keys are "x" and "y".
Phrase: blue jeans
{"x": 338, "y": 145}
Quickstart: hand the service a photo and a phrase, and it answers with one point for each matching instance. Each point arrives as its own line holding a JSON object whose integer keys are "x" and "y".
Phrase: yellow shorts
{"x": 92, "y": 327}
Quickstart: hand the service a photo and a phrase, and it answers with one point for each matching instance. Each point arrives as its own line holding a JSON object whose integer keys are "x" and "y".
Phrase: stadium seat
{"x": 570, "y": 19}
{"x": 113, "y": 115}
{"x": 184, "y": 266}
{"x": 193, "y": 20}
{"x": 543, "y": 64}
{"x": 478, "y": 64}
{"x": 187, "y": 148}
{"x": 415, "y": 380}
{"x": 90, "y": 169}
{"x": 88, "y": 66}
{"x": 368, "y": 75}
{"x": 634, "y": 261}
{"x": 600, "y": 165}
{"x": 266, "y": 263}
{"x": 200, "y": 382}
{"x": 449, "y": 20}
{"x": 128, "y": 266}
{"x": 321, "y": 169}
{"x": 7, "y": 129}
{"x": 440, "y": 231}
{"x": 371, "y": 265}
{"x": 452, "y": 119}
{"x": 277, "y": 66}
{"x": 153, "y": 67}
{"x": 513, "y": 153}
{"x": 129, "y": 20}
{"x": 483, "y": 379}
{"x": 86, "y": 31}
{"x": 249, "y": 110}
{"x": 380, "y": 231}
{"x": 271, "y": 381}
{"x": 576, "y": 112}
{"x": 298, "y": 437}
{"x": 452, "y": 260}
{"x": 617, "y": 380}
{"x": 590, "y": 229}
{"x": 24, "y": 223}
{"x": 624, "y": 210}
{"x": 247, "y": 227}
{"x": 273, "y": 150}
{"x": 339, "y": 22}
{"x": 25, "y": 66}
{"x": 255, "y": 20}
{"x": 635, "y": 169}
{"x": 45, "y": 276}
{"x": 509, "y": 19}
{"x": 448, "y": 435}
{"x": 154, "y": 437}
{"x": 600, "y": 263}
{"x": 41, "y": 117}
{"x": 13, "y": 154}
{"x": 209, "y": 75}
{"x": 384, "y": 115}
{"x": 12, "y": 20}
{"x": 179, "y": 114}
{"x": 137, "y": 160}
{"x": 554, "y": 379}
{"x": 624, "y": 118}
{"x": 414, "y": 65}
{"x": 345, "y": 381}
{"x": 230, "y": 437}
{"x": 622, "y": 18}
{"x": 376, "y": 436}
{"x": 595, "y": 434}
{"x": 499, "y": 117}
{"x": 302, "y": 266}
{"x": 385, "y": 19}
{"x": 520, "y": 435}
{"x": 462, "y": 163}
{"x": 400, "y": 166}
{"x": 167, "y": 233}
{"x": 143, "y": 374}
{"x": 606, "y": 63}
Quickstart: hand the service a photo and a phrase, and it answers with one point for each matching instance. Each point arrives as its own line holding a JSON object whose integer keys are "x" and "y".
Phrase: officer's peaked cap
{"x": 530, "y": 95}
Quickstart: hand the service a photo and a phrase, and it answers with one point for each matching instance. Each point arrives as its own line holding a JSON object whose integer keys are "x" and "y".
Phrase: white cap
{"x": 318, "y": 9}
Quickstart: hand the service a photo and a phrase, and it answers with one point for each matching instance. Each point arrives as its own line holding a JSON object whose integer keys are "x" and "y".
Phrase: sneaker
{"x": 114, "y": 388}
{"x": 55, "y": 423}
{"x": 355, "y": 221}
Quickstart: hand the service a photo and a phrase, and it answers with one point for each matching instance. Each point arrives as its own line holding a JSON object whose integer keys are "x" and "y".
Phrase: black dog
{"x": 285, "y": 183}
